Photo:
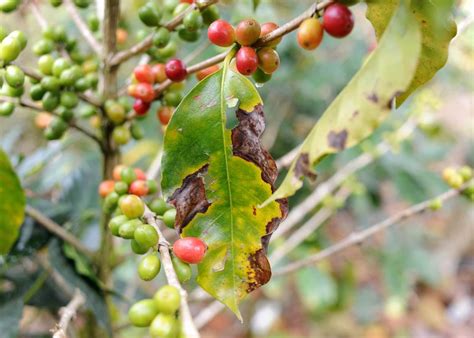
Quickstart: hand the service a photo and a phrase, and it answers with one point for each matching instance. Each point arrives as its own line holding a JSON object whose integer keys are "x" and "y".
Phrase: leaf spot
{"x": 337, "y": 140}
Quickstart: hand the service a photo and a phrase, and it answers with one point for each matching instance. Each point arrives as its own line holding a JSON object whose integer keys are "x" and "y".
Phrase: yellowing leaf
{"x": 12, "y": 206}
{"x": 364, "y": 103}
{"x": 217, "y": 177}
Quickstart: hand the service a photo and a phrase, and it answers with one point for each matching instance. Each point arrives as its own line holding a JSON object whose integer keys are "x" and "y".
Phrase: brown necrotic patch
{"x": 190, "y": 199}
{"x": 337, "y": 140}
{"x": 303, "y": 167}
{"x": 260, "y": 271}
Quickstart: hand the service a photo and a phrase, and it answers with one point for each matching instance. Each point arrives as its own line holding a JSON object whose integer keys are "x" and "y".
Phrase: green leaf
{"x": 437, "y": 28}
{"x": 10, "y": 315}
{"x": 81, "y": 262}
{"x": 364, "y": 103}
{"x": 255, "y": 4}
{"x": 216, "y": 178}
{"x": 317, "y": 288}
{"x": 12, "y": 208}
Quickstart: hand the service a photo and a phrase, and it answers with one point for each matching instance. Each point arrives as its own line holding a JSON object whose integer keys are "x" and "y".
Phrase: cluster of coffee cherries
{"x": 338, "y": 22}
{"x": 456, "y": 177}
{"x": 159, "y": 313}
{"x": 12, "y": 77}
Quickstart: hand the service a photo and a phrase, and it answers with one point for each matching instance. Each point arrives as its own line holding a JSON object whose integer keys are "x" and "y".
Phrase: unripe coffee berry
{"x": 190, "y": 249}
{"x": 146, "y": 236}
{"x": 268, "y": 60}
{"x": 338, "y": 20}
{"x": 221, "y": 33}
{"x": 149, "y": 267}
{"x": 247, "y": 32}
{"x": 142, "y": 313}
{"x": 246, "y": 60}
{"x": 310, "y": 34}
{"x": 175, "y": 70}
{"x": 132, "y": 206}
{"x": 167, "y": 299}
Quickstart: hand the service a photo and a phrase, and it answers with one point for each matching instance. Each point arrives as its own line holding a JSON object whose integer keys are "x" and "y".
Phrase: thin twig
{"x": 37, "y": 14}
{"x": 188, "y": 326}
{"x": 359, "y": 236}
{"x": 146, "y": 43}
{"x": 208, "y": 313}
{"x": 57, "y": 230}
{"x": 68, "y": 313}
{"x": 82, "y": 27}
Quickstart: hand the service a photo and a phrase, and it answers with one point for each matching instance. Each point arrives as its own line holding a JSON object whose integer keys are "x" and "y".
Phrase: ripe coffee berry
{"x": 144, "y": 73}
{"x": 221, "y": 33}
{"x": 139, "y": 188}
{"x": 247, "y": 32}
{"x": 140, "y": 174}
{"x": 338, "y": 20}
{"x": 141, "y": 107}
{"x": 190, "y": 249}
{"x": 206, "y": 72}
{"x": 176, "y": 70}
{"x": 159, "y": 72}
{"x": 164, "y": 114}
{"x": 143, "y": 91}
{"x": 116, "y": 174}
{"x": 267, "y": 28}
{"x": 310, "y": 34}
{"x": 268, "y": 60}
{"x": 246, "y": 60}
{"x": 106, "y": 187}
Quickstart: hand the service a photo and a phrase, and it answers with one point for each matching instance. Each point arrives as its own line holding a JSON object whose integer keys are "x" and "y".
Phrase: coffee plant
{"x": 208, "y": 220}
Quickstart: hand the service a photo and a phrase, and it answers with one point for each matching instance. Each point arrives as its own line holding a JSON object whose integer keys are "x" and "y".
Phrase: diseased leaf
{"x": 12, "y": 207}
{"x": 364, "y": 103}
{"x": 216, "y": 178}
{"x": 437, "y": 28}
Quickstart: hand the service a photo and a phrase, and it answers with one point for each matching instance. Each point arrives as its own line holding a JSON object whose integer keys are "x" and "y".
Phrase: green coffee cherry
{"x": 128, "y": 228}
{"x": 8, "y": 6}
{"x": 149, "y": 14}
{"x": 81, "y": 85}
{"x": 45, "y": 64}
{"x": 66, "y": 114}
{"x": 60, "y": 65}
{"x": 260, "y": 77}
{"x": 137, "y": 248}
{"x": 10, "y": 48}
{"x": 3, "y": 33}
{"x": 466, "y": 173}
{"x": 69, "y": 99}
{"x": 37, "y": 92}
{"x": 436, "y": 204}
{"x": 50, "y": 101}
{"x": 93, "y": 22}
{"x": 86, "y": 111}
{"x": 111, "y": 200}
{"x": 193, "y": 20}
{"x": 152, "y": 186}
{"x": 187, "y": 35}
{"x": 115, "y": 223}
{"x": 10, "y": 91}
{"x": 43, "y": 46}
{"x": 180, "y": 8}
{"x": 183, "y": 270}
{"x": 169, "y": 218}
{"x": 50, "y": 84}
{"x": 146, "y": 236}
{"x": 210, "y": 14}
{"x": 161, "y": 38}
{"x": 115, "y": 112}
{"x": 59, "y": 34}
{"x": 128, "y": 175}
{"x": 149, "y": 267}
{"x": 167, "y": 300}
{"x": 121, "y": 188}
{"x": 164, "y": 326}
{"x": 137, "y": 131}
{"x": 142, "y": 313}
{"x": 14, "y": 76}
{"x": 82, "y": 3}
{"x": 159, "y": 206}
{"x": 6, "y": 108}
{"x": 21, "y": 37}
{"x": 70, "y": 76}
{"x": 55, "y": 3}
{"x": 172, "y": 98}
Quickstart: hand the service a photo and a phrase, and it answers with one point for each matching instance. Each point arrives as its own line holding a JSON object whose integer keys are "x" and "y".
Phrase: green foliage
{"x": 12, "y": 206}
{"x": 437, "y": 28}
{"x": 230, "y": 187}
{"x": 364, "y": 103}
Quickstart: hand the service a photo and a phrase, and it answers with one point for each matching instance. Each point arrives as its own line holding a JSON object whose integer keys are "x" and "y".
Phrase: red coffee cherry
{"x": 106, "y": 187}
{"x": 310, "y": 34}
{"x": 140, "y": 174}
{"x": 190, "y": 249}
{"x": 139, "y": 188}
{"x": 267, "y": 28}
{"x": 164, "y": 114}
{"x": 141, "y": 107}
{"x": 144, "y": 73}
{"x": 246, "y": 60}
{"x": 144, "y": 91}
{"x": 268, "y": 60}
{"x": 247, "y": 32}
{"x": 338, "y": 20}
{"x": 117, "y": 172}
{"x": 176, "y": 70}
{"x": 221, "y": 33}
{"x": 206, "y": 72}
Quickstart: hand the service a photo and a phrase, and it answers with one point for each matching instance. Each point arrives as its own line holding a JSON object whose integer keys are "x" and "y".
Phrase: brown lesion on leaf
{"x": 260, "y": 270}
{"x": 303, "y": 167}
{"x": 190, "y": 198}
{"x": 354, "y": 114}
{"x": 392, "y": 99}
{"x": 274, "y": 223}
{"x": 373, "y": 97}
{"x": 337, "y": 140}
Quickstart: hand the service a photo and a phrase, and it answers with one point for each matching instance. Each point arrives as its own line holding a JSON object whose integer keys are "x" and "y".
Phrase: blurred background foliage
{"x": 414, "y": 280}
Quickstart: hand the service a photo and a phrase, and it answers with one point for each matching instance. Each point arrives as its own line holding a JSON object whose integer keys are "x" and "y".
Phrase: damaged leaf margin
{"x": 216, "y": 178}
{"x": 364, "y": 103}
